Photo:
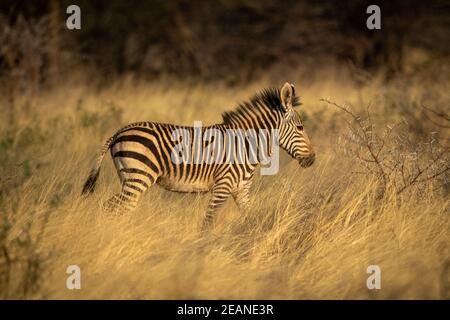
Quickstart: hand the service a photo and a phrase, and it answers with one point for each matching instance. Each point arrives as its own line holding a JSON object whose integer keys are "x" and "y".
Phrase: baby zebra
{"x": 221, "y": 158}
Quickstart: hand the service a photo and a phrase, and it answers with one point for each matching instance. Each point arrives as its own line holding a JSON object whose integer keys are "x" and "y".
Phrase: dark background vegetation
{"x": 232, "y": 40}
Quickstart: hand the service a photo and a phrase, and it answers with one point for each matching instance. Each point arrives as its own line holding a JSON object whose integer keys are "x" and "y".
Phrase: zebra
{"x": 143, "y": 154}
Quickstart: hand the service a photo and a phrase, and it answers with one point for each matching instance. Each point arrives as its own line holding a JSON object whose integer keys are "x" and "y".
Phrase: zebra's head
{"x": 292, "y": 134}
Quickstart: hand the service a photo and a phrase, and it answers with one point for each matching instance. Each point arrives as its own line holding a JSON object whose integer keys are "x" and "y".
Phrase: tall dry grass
{"x": 311, "y": 233}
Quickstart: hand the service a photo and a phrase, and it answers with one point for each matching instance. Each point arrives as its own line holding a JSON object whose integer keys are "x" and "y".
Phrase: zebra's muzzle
{"x": 307, "y": 161}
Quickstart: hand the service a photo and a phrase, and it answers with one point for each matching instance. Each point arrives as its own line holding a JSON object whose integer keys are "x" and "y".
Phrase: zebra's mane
{"x": 267, "y": 98}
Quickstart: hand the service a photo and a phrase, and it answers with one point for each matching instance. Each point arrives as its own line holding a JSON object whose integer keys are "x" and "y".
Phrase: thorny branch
{"x": 395, "y": 157}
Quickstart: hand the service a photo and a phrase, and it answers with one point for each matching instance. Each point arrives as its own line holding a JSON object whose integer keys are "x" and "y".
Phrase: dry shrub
{"x": 24, "y": 48}
{"x": 21, "y": 262}
{"x": 31, "y": 59}
{"x": 398, "y": 158}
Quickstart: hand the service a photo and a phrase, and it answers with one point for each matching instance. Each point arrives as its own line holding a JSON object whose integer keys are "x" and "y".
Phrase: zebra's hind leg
{"x": 118, "y": 204}
{"x": 220, "y": 193}
{"x": 128, "y": 198}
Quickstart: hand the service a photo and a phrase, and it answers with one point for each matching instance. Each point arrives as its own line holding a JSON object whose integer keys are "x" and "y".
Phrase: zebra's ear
{"x": 286, "y": 96}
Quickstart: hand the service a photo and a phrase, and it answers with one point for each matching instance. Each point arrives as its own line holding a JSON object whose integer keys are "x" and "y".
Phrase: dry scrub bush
{"x": 31, "y": 55}
{"x": 395, "y": 156}
{"x": 21, "y": 263}
{"x": 24, "y": 47}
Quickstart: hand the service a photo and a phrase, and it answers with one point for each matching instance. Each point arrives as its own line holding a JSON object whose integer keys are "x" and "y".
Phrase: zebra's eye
{"x": 300, "y": 128}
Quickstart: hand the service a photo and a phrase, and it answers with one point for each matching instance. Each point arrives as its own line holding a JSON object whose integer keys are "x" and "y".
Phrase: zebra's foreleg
{"x": 220, "y": 193}
{"x": 242, "y": 198}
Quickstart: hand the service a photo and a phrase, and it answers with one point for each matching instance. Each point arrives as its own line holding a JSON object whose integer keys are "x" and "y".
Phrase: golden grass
{"x": 311, "y": 233}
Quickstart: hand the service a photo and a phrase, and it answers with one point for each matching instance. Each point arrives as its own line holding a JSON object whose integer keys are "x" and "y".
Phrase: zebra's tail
{"x": 89, "y": 185}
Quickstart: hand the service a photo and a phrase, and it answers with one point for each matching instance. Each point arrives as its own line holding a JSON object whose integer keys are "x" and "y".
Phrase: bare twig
{"x": 393, "y": 155}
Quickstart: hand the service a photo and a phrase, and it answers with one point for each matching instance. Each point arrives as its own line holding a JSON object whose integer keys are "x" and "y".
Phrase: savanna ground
{"x": 311, "y": 233}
